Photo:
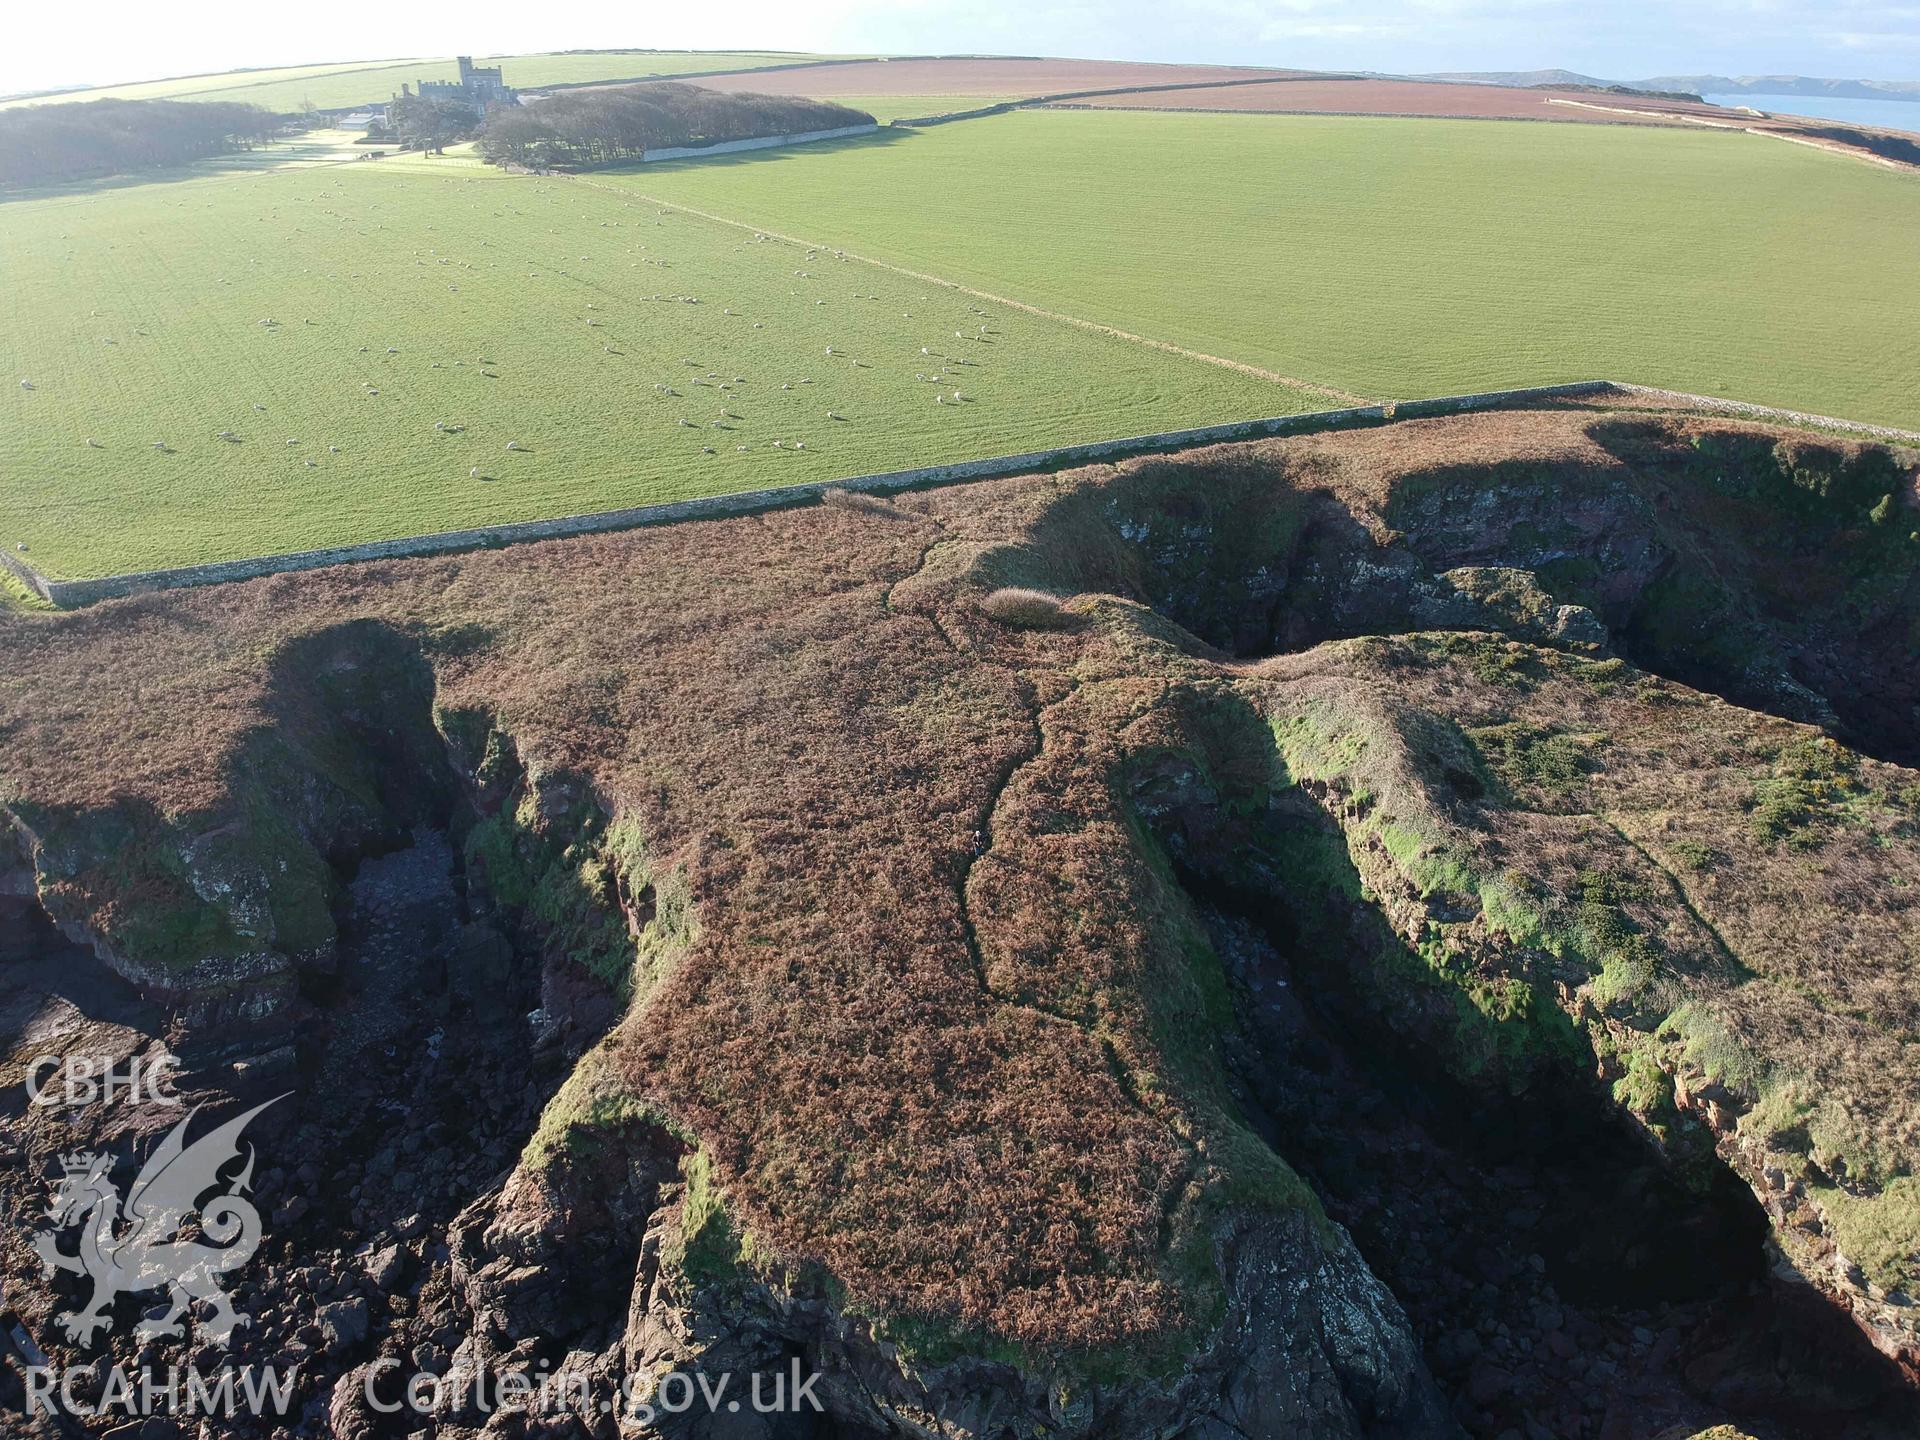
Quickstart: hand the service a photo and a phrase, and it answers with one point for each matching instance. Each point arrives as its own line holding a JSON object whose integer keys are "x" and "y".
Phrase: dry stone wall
{"x": 763, "y": 142}
{"x": 85, "y": 592}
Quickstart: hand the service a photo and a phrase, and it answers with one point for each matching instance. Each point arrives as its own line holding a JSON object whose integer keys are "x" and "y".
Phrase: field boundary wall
{"x": 70, "y": 593}
{"x": 760, "y": 142}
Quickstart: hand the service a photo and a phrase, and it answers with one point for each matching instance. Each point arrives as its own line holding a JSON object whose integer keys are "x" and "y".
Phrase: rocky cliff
{"x": 1416, "y": 936}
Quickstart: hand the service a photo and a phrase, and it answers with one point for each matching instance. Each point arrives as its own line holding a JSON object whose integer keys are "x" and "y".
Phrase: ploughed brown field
{"x": 993, "y": 76}
{"x": 1358, "y": 95}
{"x": 1227, "y": 88}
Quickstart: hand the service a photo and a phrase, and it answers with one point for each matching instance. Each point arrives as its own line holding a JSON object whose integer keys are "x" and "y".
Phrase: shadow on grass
{"x": 886, "y": 135}
{"x": 293, "y": 154}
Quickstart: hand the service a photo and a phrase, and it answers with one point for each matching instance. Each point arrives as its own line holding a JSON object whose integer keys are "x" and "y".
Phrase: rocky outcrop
{"x": 1805, "y": 1248}
{"x": 221, "y": 912}
{"x": 1311, "y": 1344}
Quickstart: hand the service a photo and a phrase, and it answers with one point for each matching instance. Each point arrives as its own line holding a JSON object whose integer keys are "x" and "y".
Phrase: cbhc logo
{"x": 85, "y": 1080}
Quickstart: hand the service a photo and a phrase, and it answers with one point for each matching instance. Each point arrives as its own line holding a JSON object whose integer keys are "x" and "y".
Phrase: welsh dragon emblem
{"x": 144, "y": 1249}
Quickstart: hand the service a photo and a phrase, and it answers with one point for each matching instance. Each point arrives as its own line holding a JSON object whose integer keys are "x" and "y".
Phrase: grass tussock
{"x": 1808, "y": 786}
{"x": 14, "y": 594}
{"x": 859, "y": 502}
{"x": 1026, "y": 609}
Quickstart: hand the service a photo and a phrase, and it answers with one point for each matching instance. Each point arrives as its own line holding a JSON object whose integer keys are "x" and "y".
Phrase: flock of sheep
{"x": 727, "y": 416}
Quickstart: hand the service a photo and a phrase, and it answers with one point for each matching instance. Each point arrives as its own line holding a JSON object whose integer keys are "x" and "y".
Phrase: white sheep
{"x": 26, "y": 384}
{"x": 474, "y": 473}
{"x": 513, "y": 444}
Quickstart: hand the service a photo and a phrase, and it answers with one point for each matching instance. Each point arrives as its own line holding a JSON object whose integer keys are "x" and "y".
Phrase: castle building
{"x": 479, "y": 86}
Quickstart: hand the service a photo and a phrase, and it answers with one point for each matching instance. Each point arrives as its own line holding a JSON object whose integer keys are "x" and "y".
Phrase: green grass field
{"x": 428, "y": 311}
{"x": 202, "y": 87}
{"x": 1397, "y": 257}
{"x": 370, "y": 82}
{"x": 507, "y": 309}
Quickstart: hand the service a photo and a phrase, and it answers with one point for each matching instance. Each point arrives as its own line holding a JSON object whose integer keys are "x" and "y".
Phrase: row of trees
{"x": 582, "y": 128}
{"x": 78, "y": 140}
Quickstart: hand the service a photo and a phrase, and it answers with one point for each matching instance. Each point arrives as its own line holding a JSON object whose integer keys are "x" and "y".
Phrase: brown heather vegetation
{"x": 949, "y": 1027}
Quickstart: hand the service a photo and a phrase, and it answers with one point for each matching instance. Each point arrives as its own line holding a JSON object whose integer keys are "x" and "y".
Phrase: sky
{"x": 109, "y": 41}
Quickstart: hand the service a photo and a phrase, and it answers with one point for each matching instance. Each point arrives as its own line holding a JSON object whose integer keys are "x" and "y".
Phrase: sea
{"x": 1890, "y": 114}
